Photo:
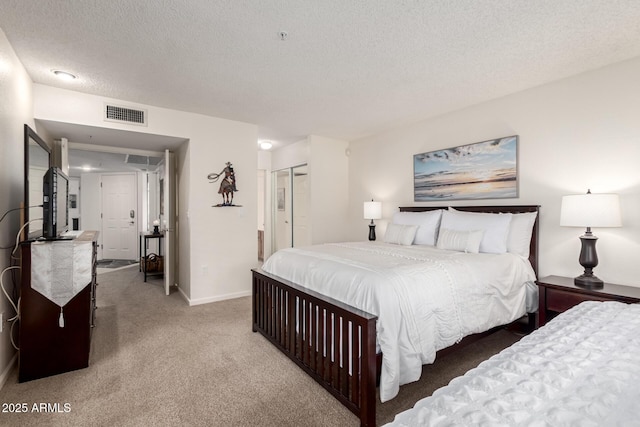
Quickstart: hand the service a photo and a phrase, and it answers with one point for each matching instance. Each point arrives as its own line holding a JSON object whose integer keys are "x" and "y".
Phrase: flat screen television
{"x": 55, "y": 203}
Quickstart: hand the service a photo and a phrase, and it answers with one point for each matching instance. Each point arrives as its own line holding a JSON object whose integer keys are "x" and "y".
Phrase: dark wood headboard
{"x": 533, "y": 246}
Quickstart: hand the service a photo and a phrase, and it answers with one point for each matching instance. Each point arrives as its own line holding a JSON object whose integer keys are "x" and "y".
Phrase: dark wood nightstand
{"x": 558, "y": 294}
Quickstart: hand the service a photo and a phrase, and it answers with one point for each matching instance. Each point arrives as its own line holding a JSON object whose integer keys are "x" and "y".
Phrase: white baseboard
{"x": 7, "y": 370}
{"x": 183, "y": 295}
{"x": 208, "y": 300}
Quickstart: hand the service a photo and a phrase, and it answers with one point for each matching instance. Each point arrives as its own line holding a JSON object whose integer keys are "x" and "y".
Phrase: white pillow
{"x": 520, "y": 233}
{"x": 463, "y": 241}
{"x": 428, "y": 223}
{"x": 495, "y": 226}
{"x": 400, "y": 234}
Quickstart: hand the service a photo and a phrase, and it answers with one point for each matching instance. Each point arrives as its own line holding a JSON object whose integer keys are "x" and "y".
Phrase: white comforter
{"x": 581, "y": 369}
{"x": 426, "y": 299}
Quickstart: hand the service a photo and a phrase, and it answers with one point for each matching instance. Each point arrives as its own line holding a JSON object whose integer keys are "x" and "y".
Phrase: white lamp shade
{"x": 372, "y": 210}
{"x": 590, "y": 210}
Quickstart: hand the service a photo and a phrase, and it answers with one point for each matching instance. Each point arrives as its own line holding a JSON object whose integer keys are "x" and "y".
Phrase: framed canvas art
{"x": 484, "y": 170}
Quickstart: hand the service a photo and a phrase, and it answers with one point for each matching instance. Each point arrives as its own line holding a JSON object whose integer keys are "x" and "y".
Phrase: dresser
{"x": 57, "y": 305}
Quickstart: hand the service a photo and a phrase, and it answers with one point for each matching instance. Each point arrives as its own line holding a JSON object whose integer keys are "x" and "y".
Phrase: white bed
{"x": 426, "y": 299}
{"x": 580, "y": 369}
{"x": 437, "y": 276}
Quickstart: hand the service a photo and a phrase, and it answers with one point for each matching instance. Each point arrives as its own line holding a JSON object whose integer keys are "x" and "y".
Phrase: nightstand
{"x": 558, "y": 294}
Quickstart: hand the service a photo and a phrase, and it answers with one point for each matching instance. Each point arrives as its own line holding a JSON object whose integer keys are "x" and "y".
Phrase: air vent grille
{"x": 135, "y": 159}
{"x": 115, "y": 113}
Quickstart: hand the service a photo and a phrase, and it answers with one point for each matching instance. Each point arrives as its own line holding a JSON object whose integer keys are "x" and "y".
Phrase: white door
{"x": 300, "y": 207}
{"x": 168, "y": 218}
{"x": 282, "y": 210}
{"x": 119, "y": 216}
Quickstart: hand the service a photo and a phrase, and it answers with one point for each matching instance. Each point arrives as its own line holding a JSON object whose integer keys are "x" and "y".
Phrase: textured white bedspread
{"x": 581, "y": 369}
{"x": 425, "y": 299}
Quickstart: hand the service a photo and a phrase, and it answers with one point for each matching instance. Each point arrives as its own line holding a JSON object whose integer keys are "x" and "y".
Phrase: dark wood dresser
{"x": 46, "y": 348}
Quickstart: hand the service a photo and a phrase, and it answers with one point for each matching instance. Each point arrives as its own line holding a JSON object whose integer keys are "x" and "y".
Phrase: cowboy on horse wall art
{"x": 227, "y": 185}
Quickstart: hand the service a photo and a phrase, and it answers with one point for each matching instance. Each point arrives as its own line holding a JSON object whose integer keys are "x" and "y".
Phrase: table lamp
{"x": 372, "y": 210}
{"x": 590, "y": 210}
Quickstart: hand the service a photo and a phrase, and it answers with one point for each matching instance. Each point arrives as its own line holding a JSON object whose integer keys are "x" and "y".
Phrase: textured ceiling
{"x": 347, "y": 69}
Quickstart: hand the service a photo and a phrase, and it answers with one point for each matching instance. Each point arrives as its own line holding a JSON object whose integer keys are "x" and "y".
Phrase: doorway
{"x": 94, "y": 151}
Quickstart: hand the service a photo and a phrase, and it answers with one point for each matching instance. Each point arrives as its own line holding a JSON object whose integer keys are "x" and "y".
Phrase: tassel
{"x": 61, "y": 319}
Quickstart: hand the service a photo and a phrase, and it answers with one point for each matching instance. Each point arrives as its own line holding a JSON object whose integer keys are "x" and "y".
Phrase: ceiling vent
{"x": 116, "y": 113}
{"x": 134, "y": 159}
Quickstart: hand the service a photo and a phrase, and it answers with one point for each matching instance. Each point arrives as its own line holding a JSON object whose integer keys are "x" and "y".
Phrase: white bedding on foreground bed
{"x": 426, "y": 299}
{"x": 580, "y": 369}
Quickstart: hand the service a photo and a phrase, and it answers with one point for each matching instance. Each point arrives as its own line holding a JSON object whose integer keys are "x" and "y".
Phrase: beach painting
{"x": 484, "y": 170}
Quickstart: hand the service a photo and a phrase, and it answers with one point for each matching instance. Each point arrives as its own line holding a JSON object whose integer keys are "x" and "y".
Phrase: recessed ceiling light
{"x": 266, "y": 145}
{"x": 64, "y": 75}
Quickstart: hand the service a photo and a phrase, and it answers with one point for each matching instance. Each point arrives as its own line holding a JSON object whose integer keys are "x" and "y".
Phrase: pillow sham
{"x": 462, "y": 241}
{"x": 428, "y": 223}
{"x": 400, "y": 234}
{"x": 520, "y": 233}
{"x": 495, "y": 226}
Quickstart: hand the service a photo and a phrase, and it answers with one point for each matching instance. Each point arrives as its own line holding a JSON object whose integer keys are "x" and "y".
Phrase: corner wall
{"x": 576, "y": 134}
{"x": 328, "y": 166}
{"x": 16, "y": 109}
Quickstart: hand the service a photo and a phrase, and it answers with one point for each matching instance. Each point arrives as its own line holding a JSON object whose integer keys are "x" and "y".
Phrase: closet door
{"x": 282, "y": 220}
{"x": 291, "y": 226}
{"x": 300, "y": 211}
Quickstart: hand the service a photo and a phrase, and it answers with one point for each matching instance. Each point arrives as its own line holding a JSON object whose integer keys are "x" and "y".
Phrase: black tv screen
{"x": 55, "y": 203}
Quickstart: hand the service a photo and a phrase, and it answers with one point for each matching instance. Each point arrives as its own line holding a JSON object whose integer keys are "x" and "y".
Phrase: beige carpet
{"x": 156, "y": 361}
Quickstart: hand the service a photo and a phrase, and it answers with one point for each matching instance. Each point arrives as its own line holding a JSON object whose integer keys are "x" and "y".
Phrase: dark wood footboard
{"x": 331, "y": 341}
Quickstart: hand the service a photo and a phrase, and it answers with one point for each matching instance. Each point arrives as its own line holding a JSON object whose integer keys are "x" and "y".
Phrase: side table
{"x": 144, "y": 241}
{"x": 558, "y": 294}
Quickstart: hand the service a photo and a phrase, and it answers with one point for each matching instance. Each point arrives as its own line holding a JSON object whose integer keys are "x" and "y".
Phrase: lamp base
{"x": 588, "y": 281}
{"x": 372, "y": 232}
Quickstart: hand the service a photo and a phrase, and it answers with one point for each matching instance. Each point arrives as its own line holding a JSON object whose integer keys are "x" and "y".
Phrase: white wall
{"x": 579, "y": 133}
{"x": 224, "y": 242}
{"x": 291, "y": 155}
{"x": 328, "y": 165}
{"x": 329, "y": 183}
{"x": 221, "y": 243}
{"x": 264, "y": 164}
{"x": 16, "y": 109}
{"x": 183, "y": 233}
{"x": 91, "y": 205}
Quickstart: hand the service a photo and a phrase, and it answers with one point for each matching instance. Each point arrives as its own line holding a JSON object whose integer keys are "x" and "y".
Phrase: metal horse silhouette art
{"x": 227, "y": 185}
